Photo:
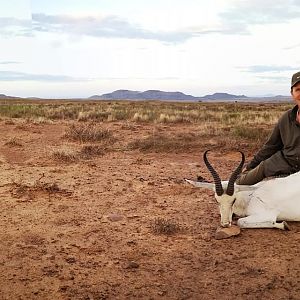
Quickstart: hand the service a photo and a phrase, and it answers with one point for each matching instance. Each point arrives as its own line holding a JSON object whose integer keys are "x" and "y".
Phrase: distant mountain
{"x": 169, "y": 96}
{"x": 223, "y": 96}
{"x": 147, "y": 95}
{"x": 119, "y": 94}
{"x": 179, "y": 96}
{"x": 155, "y": 94}
{"x": 2, "y": 96}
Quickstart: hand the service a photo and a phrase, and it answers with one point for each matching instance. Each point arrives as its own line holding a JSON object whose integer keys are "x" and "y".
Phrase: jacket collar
{"x": 294, "y": 112}
{"x": 293, "y": 115}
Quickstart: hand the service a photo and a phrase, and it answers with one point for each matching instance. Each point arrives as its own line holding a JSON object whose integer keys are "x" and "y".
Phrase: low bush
{"x": 165, "y": 226}
{"x": 165, "y": 143}
{"x": 87, "y": 133}
{"x": 64, "y": 155}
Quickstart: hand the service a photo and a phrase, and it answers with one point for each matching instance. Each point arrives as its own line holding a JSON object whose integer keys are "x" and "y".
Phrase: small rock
{"x": 132, "y": 265}
{"x": 50, "y": 256}
{"x": 133, "y": 216}
{"x": 131, "y": 242}
{"x": 114, "y": 217}
{"x": 63, "y": 288}
{"x": 71, "y": 260}
{"x": 227, "y": 232}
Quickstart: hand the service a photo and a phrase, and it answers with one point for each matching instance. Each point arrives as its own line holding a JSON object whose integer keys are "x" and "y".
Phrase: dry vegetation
{"x": 165, "y": 226}
{"x": 234, "y": 121}
{"x": 28, "y": 192}
{"x": 87, "y": 133}
{"x": 151, "y": 112}
{"x": 94, "y": 205}
{"x": 13, "y": 142}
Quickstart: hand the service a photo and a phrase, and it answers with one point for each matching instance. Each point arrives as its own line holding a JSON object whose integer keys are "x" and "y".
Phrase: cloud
{"x": 242, "y": 14}
{"x": 20, "y": 76}
{"x": 7, "y": 22}
{"x": 236, "y": 19}
{"x": 271, "y": 73}
{"x": 96, "y": 26}
{"x": 15, "y": 27}
{"x": 107, "y": 27}
{"x": 292, "y": 47}
{"x": 117, "y": 27}
{"x": 267, "y": 69}
{"x": 8, "y": 62}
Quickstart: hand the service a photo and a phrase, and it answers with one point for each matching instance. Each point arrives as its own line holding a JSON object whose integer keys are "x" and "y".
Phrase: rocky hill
{"x": 179, "y": 96}
{"x": 2, "y": 96}
{"x": 147, "y": 95}
{"x": 223, "y": 96}
{"x": 168, "y": 96}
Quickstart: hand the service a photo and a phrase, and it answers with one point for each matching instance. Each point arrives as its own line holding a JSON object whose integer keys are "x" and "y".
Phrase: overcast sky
{"x": 79, "y": 48}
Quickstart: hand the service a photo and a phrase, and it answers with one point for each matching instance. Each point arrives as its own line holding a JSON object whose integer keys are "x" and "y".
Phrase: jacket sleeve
{"x": 273, "y": 144}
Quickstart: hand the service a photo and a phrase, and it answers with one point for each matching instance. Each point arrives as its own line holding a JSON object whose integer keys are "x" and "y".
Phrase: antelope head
{"x": 225, "y": 198}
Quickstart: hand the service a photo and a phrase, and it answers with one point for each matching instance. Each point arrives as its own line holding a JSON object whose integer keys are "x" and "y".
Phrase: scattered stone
{"x": 71, "y": 260}
{"x": 227, "y": 232}
{"x": 50, "y": 256}
{"x": 132, "y": 265}
{"x": 133, "y": 216}
{"x": 114, "y": 217}
{"x": 131, "y": 242}
{"x": 63, "y": 288}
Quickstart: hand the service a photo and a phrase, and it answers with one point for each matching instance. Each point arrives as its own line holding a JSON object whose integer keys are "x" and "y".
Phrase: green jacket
{"x": 281, "y": 152}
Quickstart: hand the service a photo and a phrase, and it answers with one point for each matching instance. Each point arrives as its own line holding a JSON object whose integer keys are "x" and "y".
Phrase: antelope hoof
{"x": 227, "y": 225}
{"x": 286, "y": 226}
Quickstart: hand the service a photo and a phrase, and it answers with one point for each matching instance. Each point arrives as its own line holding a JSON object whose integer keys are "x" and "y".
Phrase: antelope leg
{"x": 261, "y": 221}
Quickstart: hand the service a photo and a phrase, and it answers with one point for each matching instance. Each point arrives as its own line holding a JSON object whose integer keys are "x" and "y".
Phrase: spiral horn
{"x": 217, "y": 180}
{"x": 234, "y": 175}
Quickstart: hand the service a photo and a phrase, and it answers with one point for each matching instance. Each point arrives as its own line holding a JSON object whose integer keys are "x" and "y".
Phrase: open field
{"x": 94, "y": 206}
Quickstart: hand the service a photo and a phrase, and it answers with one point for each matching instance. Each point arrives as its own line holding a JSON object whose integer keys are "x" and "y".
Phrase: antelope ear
{"x": 205, "y": 185}
{"x": 244, "y": 188}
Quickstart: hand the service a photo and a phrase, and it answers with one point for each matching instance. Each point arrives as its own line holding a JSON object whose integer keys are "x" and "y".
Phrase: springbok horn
{"x": 217, "y": 180}
{"x": 234, "y": 175}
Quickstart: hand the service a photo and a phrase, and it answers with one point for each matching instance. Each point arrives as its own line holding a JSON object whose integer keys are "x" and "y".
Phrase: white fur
{"x": 260, "y": 205}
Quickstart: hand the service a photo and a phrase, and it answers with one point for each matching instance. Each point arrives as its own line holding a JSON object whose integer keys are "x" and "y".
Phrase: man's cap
{"x": 295, "y": 79}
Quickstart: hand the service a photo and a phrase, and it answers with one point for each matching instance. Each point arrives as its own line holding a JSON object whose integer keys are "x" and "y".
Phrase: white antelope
{"x": 260, "y": 205}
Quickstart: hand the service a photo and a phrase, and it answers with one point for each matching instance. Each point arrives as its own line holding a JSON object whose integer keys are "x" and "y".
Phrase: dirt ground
{"x": 86, "y": 229}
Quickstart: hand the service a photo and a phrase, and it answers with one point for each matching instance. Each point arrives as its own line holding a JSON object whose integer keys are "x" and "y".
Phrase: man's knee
{"x": 252, "y": 176}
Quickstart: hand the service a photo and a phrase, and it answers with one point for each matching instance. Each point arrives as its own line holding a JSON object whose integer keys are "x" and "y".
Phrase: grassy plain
{"x": 231, "y": 121}
{"x": 94, "y": 205}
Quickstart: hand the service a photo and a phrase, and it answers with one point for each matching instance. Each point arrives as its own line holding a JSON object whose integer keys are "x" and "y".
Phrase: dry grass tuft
{"x": 250, "y": 133}
{"x": 9, "y": 122}
{"x": 165, "y": 226}
{"x": 88, "y": 133}
{"x": 41, "y": 120}
{"x": 64, "y": 155}
{"x": 89, "y": 151}
{"x": 68, "y": 155}
{"x": 21, "y": 190}
{"x": 141, "y": 117}
{"x": 165, "y": 143}
{"x": 13, "y": 142}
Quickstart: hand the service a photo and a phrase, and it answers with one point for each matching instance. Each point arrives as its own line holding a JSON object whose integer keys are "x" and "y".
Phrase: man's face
{"x": 296, "y": 93}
